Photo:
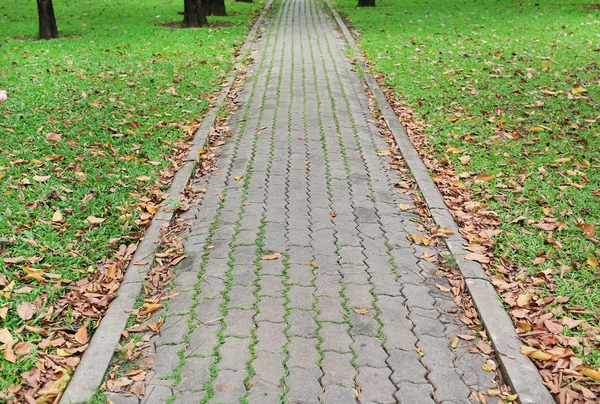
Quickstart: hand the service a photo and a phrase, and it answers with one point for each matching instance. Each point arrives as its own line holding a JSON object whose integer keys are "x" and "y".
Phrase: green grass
{"x": 502, "y": 83}
{"x": 122, "y": 90}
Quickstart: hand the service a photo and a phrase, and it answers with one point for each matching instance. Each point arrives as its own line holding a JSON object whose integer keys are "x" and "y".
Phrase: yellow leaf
{"x": 578, "y": 90}
{"x": 143, "y": 178}
{"x": 34, "y": 273}
{"x": 454, "y": 342}
{"x": 594, "y": 374}
{"x": 403, "y": 206}
{"x": 486, "y": 367}
{"x": 63, "y": 352}
{"x": 239, "y": 177}
{"x": 314, "y": 264}
{"x": 420, "y": 351}
{"x": 48, "y": 394}
{"x": 541, "y": 355}
{"x": 592, "y": 262}
{"x": 512, "y": 397}
{"x": 562, "y": 160}
{"x": 151, "y": 308}
{"x": 454, "y": 150}
{"x": 464, "y": 160}
{"x": 57, "y": 216}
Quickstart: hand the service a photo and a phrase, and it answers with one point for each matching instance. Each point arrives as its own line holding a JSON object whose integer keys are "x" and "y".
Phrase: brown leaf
{"x": 454, "y": 343}
{"x": 26, "y": 310}
{"x": 442, "y": 287}
{"x": 588, "y": 229}
{"x": 14, "y": 261}
{"x": 5, "y": 336}
{"x": 95, "y": 220}
{"x": 41, "y": 178}
{"x": 143, "y": 178}
{"x": 24, "y": 348}
{"x": 54, "y": 137}
{"x": 363, "y": 312}
{"x": 82, "y": 335}
{"x": 477, "y": 257}
{"x": 9, "y": 354}
{"x": 273, "y": 256}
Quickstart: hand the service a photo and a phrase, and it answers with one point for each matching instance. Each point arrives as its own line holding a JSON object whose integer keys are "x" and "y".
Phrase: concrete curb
{"x": 90, "y": 372}
{"x": 518, "y": 370}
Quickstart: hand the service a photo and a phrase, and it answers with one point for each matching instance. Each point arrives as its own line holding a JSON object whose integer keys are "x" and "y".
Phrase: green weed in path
{"x": 510, "y": 94}
{"x": 86, "y": 137}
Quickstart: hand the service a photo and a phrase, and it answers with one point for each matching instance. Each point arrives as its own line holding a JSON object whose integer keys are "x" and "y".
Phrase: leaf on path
{"x": 273, "y": 256}
{"x": 239, "y": 177}
{"x": 314, "y": 265}
{"x": 403, "y": 206}
{"x": 415, "y": 238}
{"x": 26, "y": 310}
{"x": 442, "y": 287}
{"x": 454, "y": 342}
{"x": 477, "y": 257}
{"x": 363, "y": 312}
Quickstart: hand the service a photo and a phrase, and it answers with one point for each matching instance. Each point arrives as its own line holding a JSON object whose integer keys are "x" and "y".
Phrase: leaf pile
{"x": 94, "y": 128}
{"x": 501, "y": 100}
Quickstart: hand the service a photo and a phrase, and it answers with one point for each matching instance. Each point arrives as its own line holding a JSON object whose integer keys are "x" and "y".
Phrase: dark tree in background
{"x": 194, "y": 13}
{"x": 366, "y": 3}
{"x": 47, "y": 20}
{"x": 216, "y": 7}
{"x": 244, "y": 1}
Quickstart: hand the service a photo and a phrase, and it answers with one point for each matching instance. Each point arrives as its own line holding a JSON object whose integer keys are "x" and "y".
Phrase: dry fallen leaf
{"x": 54, "y": 137}
{"x": 363, "y": 312}
{"x": 477, "y": 257}
{"x": 273, "y": 256}
{"x": 26, "y": 310}
{"x": 239, "y": 177}
{"x": 403, "y": 206}
{"x": 57, "y": 216}
{"x": 95, "y": 220}
{"x": 82, "y": 335}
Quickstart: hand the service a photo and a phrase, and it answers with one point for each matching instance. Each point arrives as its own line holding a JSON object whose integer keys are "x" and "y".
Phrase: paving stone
{"x": 303, "y": 352}
{"x": 272, "y": 267}
{"x": 369, "y": 351}
{"x": 242, "y": 296}
{"x": 302, "y": 323}
{"x": 271, "y": 309}
{"x": 261, "y": 393}
{"x": 157, "y": 394}
{"x": 194, "y": 373}
{"x": 243, "y": 275}
{"x": 189, "y": 397}
{"x": 300, "y": 274}
{"x": 173, "y": 330}
{"x": 239, "y": 323}
{"x": 229, "y": 386}
{"x": 335, "y": 337}
{"x": 165, "y": 360}
{"x": 203, "y": 339}
{"x": 375, "y": 385}
{"x": 121, "y": 399}
{"x": 338, "y": 395}
{"x": 301, "y": 297}
{"x": 270, "y": 336}
{"x": 269, "y": 367}
{"x": 415, "y": 393}
{"x": 271, "y": 285}
{"x": 359, "y": 296}
{"x": 364, "y": 324}
{"x": 304, "y": 385}
{"x": 330, "y": 309}
{"x": 448, "y": 386}
{"x": 338, "y": 369}
{"x": 209, "y": 310}
{"x": 235, "y": 352}
{"x": 406, "y": 366}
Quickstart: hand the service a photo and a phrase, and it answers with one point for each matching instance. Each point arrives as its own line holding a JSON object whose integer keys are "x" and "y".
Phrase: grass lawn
{"x": 509, "y": 93}
{"x": 87, "y": 137}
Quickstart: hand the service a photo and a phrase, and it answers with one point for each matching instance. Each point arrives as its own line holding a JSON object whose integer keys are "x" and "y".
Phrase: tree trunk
{"x": 194, "y": 13}
{"x": 216, "y": 7}
{"x": 47, "y": 20}
{"x": 366, "y": 3}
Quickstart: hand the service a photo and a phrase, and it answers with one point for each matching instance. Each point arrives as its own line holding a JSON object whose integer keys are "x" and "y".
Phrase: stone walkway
{"x": 349, "y": 312}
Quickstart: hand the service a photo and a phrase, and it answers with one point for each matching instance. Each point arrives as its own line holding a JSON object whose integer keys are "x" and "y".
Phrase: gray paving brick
{"x": 302, "y": 323}
{"x": 301, "y": 297}
{"x": 271, "y": 309}
{"x": 194, "y": 373}
{"x": 239, "y": 323}
{"x": 203, "y": 339}
{"x": 375, "y": 385}
{"x": 242, "y": 296}
{"x": 304, "y": 385}
{"x": 335, "y": 337}
{"x": 369, "y": 351}
{"x": 229, "y": 386}
{"x": 338, "y": 395}
{"x": 415, "y": 393}
{"x": 338, "y": 369}
{"x": 235, "y": 352}
{"x": 406, "y": 366}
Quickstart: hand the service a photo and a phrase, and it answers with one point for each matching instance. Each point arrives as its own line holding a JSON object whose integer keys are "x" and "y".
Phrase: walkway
{"x": 348, "y": 312}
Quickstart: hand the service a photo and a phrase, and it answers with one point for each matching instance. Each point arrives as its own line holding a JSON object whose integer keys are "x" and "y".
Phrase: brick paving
{"x": 349, "y": 313}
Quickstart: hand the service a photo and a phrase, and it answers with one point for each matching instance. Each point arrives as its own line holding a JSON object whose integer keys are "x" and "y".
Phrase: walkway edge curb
{"x": 90, "y": 372}
{"x": 517, "y": 369}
